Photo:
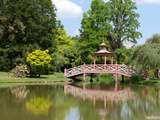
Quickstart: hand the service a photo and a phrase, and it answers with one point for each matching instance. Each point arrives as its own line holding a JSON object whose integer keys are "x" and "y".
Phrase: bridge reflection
{"x": 100, "y": 95}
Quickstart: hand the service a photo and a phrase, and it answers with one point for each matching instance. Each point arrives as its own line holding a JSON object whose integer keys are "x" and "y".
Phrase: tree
{"x": 66, "y": 54}
{"x": 123, "y": 54}
{"x": 39, "y": 61}
{"x": 124, "y": 21}
{"x": 28, "y": 25}
{"x": 115, "y": 22}
{"x": 95, "y": 28}
{"x": 147, "y": 56}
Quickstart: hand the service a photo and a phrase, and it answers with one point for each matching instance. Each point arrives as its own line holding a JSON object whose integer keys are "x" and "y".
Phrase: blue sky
{"x": 70, "y": 12}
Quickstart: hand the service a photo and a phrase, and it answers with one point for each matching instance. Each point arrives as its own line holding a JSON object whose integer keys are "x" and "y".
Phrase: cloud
{"x": 67, "y": 9}
{"x": 148, "y": 1}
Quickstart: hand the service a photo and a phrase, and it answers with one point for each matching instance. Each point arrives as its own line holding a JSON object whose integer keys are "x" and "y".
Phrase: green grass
{"x": 149, "y": 82}
{"x": 6, "y": 78}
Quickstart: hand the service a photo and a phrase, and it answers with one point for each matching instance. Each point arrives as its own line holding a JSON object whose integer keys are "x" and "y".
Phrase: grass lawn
{"x": 149, "y": 82}
{"x": 5, "y": 78}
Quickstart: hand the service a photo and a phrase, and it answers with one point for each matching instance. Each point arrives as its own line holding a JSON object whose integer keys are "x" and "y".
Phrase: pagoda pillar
{"x": 112, "y": 60}
{"x": 94, "y": 62}
{"x": 105, "y": 60}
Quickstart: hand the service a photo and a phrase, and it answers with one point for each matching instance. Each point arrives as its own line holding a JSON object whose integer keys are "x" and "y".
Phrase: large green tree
{"x": 115, "y": 22}
{"x": 27, "y": 25}
{"x": 124, "y": 21}
{"x": 95, "y": 28}
{"x": 66, "y": 53}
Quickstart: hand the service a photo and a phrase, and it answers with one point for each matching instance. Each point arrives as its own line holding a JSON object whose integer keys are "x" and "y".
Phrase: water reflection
{"x": 39, "y": 105}
{"x": 20, "y": 92}
{"x": 103, "y": 95}
{"x": 50, "y": 103}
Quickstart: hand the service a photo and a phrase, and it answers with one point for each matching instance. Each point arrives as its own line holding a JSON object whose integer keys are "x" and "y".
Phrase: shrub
{"x": 20, "y": 71}
{"x": 136, "y": 78}
{"x": 151, "y": 73}
{"x": 39, "y": 61}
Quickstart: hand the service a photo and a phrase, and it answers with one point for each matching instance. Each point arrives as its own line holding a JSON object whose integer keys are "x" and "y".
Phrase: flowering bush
{"x": 20, "y": 71}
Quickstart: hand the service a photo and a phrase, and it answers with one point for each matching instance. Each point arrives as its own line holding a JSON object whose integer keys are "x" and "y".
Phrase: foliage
{"x": 20, "y": 71}
{"x": 124, "y": 20}
{"x": 151, "y": 73}
{"x": 115, "y": 22}
{"x": 147, "y": 56}
{"x": 25, "y": 25}
{"x": 66, "y": 54}
{"x": 123, "y": 55}
{"x": 39, "y": 105}
{"x": 38, "y": 60}
{"x": 136, "y": 78}
{"x": 95, "y": 28}
{"x": 105, "y": 79}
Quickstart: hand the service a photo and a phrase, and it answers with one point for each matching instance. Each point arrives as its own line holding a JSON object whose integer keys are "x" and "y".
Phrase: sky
{"x": 70, "y": 12}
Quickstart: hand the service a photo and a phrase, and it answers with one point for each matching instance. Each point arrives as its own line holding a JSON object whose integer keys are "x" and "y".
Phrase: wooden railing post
{"x": 116, "y": 77}
{"x": 65, "y": 72}
{"x": 84, "y": 72}
{"x": 94, "y": 63}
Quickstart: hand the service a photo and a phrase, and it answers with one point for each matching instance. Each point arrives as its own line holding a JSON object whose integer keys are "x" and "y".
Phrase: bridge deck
{"x": 120, "y": 69}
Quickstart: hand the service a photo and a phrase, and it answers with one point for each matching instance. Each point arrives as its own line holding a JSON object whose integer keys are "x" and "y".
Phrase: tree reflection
{"x": 39, "y": 105}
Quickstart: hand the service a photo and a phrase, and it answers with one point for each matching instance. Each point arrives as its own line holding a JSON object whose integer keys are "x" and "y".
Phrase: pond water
{"x": 48, "y": 102}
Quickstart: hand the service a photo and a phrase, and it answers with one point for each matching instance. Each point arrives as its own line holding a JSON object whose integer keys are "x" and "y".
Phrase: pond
{"x": 51, "y": 102}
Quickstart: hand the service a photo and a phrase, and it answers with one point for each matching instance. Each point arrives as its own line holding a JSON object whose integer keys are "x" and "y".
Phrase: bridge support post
{"x": 122, "y": 78}
{"x": 94, "y": 100}
{"x": 84, "y": 77}
{"x": 105, "y": 102}
{"x": 65, "y": 72}
{"x": 91, "y": 80}
{"x": 116, "y": 83}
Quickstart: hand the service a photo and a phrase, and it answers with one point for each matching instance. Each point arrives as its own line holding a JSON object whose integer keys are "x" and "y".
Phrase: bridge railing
{"x": 121, "y": 69}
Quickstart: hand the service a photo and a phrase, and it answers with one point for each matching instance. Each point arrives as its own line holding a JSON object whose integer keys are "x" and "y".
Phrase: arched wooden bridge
{"x": 116, "y": 69}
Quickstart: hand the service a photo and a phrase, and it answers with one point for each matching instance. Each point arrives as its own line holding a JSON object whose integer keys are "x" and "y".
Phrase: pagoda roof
{"x": 103, "y": 45}
{"x": 102, "y": 52}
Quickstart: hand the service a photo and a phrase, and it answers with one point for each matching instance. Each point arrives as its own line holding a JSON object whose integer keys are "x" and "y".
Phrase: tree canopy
{"x": 26, "y": 25}
{"x": 114, "y": 22}
{"x": 66, "y": 52}
{"x": 95, "y": 28}
{"x": 147, "y": 56}
{"x": 124, "y": 21}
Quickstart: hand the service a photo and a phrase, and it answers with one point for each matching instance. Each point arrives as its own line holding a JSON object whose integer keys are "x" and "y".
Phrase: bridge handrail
{"x": 110, "y": 68}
